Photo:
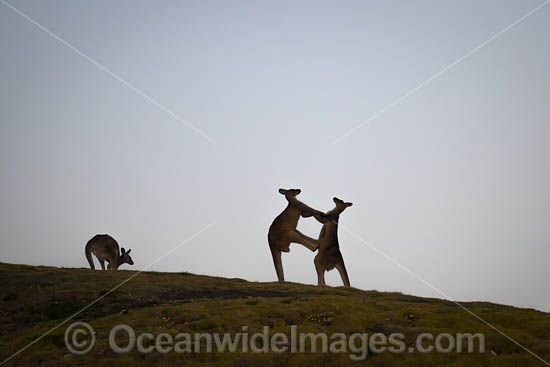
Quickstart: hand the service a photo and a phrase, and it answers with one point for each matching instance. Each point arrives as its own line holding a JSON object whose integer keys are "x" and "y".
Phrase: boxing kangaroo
{"x": 105, "y": 248}
{"x": 283, "y": 229}
{"x": 329, "y": 256}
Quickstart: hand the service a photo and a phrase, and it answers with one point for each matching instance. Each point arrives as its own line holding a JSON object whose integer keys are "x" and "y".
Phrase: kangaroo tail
{"x": 88, "y": 252}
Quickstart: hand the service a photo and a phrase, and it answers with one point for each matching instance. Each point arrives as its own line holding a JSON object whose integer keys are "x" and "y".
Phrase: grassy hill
{"x": 35, "y": 299}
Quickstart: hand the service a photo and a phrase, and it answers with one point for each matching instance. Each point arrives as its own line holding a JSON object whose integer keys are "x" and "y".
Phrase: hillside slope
{"x": 35, "y": 299}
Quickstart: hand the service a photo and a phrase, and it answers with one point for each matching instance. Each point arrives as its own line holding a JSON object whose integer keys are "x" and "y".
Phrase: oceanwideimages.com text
{"x": 80, "y": 339}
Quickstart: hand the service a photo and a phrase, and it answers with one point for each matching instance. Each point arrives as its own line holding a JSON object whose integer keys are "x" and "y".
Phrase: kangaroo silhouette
{"x": 283, "y": 229}
{"x": 105, "y": 248}
{"x": 329, "y": 256}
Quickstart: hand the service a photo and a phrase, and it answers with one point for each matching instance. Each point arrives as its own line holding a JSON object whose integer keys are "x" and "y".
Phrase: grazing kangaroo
{"x": 283, "y": 229}
{"x": 329, "y": 256}
{"x": 105, "y": 248}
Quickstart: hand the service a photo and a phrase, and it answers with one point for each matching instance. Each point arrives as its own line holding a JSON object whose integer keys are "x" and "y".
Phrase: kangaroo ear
{"x": 123, "y": 250}
{"x": 348, "y": 204}
{"x": 282, "y": 191}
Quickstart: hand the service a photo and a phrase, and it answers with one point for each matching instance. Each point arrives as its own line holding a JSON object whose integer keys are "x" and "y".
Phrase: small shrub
{"x": 323, "y": 318}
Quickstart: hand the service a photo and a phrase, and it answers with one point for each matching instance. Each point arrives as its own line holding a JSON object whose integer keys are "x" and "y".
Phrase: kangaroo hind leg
{"x": 278, "y": 264}
{"x": 320, "y": 268}
{"x": 298, "y": 237}
{"x": 343, "y": 273}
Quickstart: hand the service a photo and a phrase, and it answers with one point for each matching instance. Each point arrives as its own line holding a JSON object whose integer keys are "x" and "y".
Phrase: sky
{"x": 176, "y": 123}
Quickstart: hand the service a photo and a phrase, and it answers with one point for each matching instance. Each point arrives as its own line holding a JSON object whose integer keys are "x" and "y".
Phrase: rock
{"x": 291, "y": 322}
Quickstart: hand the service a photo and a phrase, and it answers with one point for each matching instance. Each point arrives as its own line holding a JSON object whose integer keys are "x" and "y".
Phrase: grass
{"x": 35, "y": 299}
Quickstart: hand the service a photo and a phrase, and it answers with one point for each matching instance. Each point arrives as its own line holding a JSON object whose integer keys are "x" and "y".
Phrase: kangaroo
{"x": 105, "y": 248}
{"x": 283, "y": 229}
{"x": 329, "y": 256}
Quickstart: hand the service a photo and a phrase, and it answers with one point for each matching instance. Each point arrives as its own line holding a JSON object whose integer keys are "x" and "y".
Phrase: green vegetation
{"x": 35, "y": 299}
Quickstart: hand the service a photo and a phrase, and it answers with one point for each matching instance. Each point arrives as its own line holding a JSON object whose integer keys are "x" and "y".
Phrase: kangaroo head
{"x": 290, "y": 193}
{"x": 125, "y": 257}
{"x": 341, "y": 205}
{"x": 334, "y": 214}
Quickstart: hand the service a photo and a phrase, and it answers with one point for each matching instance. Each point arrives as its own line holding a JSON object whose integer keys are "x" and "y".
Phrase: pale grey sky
{"x": 453, "y": 182}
